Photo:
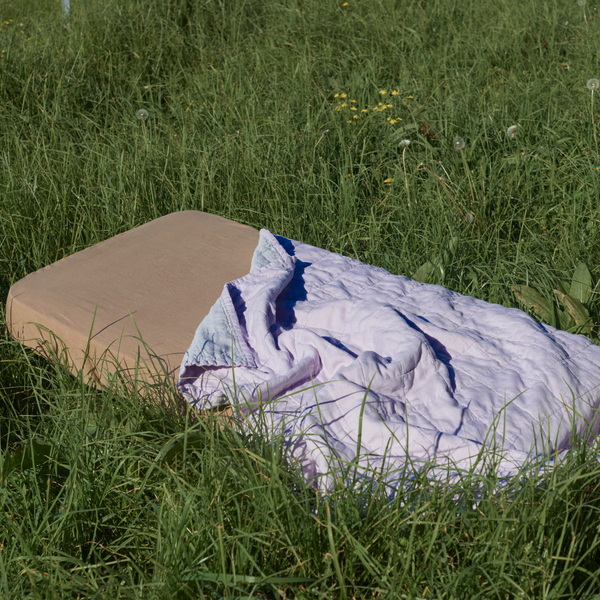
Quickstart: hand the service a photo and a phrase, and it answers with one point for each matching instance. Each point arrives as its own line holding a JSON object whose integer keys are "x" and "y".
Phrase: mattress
{"x": 130, "y": 305}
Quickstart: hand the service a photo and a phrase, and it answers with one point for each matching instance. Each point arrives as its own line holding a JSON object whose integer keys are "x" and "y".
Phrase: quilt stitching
{"x": 483, "y": 349}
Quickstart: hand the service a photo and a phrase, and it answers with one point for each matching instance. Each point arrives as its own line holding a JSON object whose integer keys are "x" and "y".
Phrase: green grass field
{"x": 291, "y": 115}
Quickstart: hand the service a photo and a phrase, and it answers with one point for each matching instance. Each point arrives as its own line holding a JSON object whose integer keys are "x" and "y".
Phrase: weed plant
{"x": 291, "y": 116}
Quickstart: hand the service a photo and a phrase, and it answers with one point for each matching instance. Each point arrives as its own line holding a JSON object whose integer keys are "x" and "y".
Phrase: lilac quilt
{"x": 351, "y": 365}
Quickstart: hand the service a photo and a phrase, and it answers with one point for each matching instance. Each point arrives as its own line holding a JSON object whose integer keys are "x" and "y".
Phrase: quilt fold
{"x": 350, "y": 363}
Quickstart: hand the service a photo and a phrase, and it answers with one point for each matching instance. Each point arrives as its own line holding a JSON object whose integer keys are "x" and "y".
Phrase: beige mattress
{"x": 131, "y": 304}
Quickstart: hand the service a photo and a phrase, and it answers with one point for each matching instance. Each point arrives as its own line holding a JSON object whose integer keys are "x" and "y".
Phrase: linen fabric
{"x": 130, "y": 304}
{"x": 348, "y": 364}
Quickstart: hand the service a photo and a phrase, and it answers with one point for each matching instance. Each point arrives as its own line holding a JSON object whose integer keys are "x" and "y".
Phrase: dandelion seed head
{"x": 581, "y": 2}
{"x": 469, "y": 218}
{"x": 593, "y": 84}
{"x": 458, "y": 143}
{"x": 142, "y": 114}
{"x": 404, "y": 144}
{"x": 511, "y": 132}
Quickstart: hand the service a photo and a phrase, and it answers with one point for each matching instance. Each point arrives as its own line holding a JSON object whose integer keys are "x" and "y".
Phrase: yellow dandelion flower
{"x": 395, "y": 92}
{"x": 353, "y": 108}
{"x": 364, "y": 110}
{"x": 408, "y": 97}
{"x": 337, "y": 108}
{"x": 393, "y": 121}
{"x": 353, "y": 101}
{"x": 342, "y": 105}
{"x": 348, "y": 121}
{"x": 343, "y": 95}
{"x": 349, "y": 174}
{"x": 383, "y": 92}
{"x": 337, "y": 96}
{"x": 388, "y": 180}
{"x": 380, "y": 104}
{"x": 356, "y": 116}
{"x": 389, "y": 105}
{"x": 345, "y": 4}
{"x": 389, "y": 118}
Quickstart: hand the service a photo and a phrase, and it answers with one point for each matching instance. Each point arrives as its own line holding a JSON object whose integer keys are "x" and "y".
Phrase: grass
{"x": 250, "y": 116}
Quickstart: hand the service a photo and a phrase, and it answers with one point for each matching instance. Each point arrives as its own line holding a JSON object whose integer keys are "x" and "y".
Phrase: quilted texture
{"x": 351, "y": 363}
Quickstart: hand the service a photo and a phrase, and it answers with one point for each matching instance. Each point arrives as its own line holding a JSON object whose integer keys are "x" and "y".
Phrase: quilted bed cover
{"x": 348, "y": 364}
